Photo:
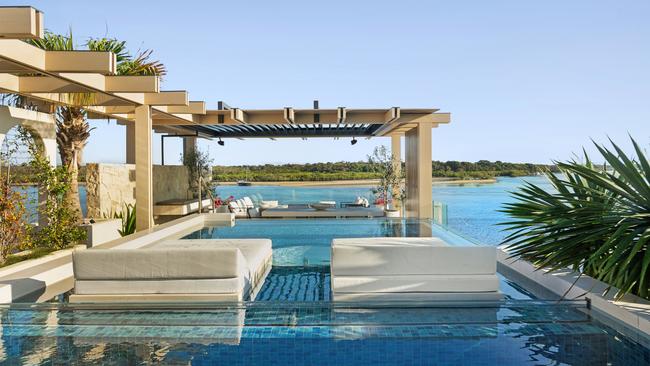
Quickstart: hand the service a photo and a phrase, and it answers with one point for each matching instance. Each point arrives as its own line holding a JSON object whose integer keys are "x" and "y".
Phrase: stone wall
{"x": 111, "y": 186}
{"x": 170, "y": 182}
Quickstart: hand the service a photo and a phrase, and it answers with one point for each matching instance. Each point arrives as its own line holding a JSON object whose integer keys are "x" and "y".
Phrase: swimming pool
{"x": 292, "y": 322}
{"x": 301, "y": 242}
{"x": 512, "y": 333}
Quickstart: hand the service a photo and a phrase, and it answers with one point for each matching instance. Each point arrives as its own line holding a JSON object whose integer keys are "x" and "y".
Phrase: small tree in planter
{"x": 61, "y": 230}
{"x": 390, "y": 187}
{"x": 15, "y": 232}
{"x": 199, "y": 169}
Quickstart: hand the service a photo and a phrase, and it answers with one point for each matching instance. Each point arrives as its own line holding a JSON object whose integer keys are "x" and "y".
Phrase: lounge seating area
{"x": 303, "y": 212}
{"x": 246, "y": 208}
{"x": 418, "y": 269}
{"x": 362, "y": 269}
{"x": 169, "y": 271}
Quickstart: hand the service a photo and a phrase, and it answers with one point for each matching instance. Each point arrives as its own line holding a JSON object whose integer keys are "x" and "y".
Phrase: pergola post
{"x": 143, "y": 168}
{"x": 418, "y": 172}
{"x": 189, "y": 145}
{"x": 396, "y": 154}
{"x": 130, "y": 143}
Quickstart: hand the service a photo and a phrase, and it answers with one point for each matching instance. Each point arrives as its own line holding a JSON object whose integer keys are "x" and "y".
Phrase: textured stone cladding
{"x": 111, "y": 186}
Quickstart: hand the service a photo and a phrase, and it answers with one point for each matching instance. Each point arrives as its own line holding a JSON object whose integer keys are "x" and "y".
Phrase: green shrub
{"x": 592, "y": 221}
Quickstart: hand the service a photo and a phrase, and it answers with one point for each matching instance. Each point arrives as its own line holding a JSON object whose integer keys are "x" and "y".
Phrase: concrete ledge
{"x": 102, "y": 231}
{"x": 157, "y": 233}
{"x": 42, "y": 278}
{"x": 219, "y": 218}
{"x": 179, "y": 207}
{"x": 30, "y": 280}
{"x": 631, "y": 310}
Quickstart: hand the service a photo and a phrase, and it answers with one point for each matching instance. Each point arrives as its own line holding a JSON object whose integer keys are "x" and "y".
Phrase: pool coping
{"x": 631, "y": 310}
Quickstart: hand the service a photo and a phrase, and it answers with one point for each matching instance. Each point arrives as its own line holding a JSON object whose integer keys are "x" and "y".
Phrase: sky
{"x": 525, "y": 81}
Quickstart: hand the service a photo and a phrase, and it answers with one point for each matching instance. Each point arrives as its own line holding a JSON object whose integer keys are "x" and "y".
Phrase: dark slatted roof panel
{"x": 308, "y": 130}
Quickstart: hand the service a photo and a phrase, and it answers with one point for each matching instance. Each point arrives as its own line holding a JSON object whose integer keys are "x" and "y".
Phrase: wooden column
{"x": 189, "y": 145}
{"x": 143, "y": 168}
{"x": 130, "y": 143}
{"x": 418, "y": 172}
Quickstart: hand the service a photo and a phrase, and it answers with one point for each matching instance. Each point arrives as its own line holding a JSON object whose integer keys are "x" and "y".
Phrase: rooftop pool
{"x": 294, "y": 322}
{"x": 302, "y": 242}
{"x": 522, "y": 332}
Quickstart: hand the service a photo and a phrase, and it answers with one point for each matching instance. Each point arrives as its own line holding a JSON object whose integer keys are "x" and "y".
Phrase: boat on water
{"x": 243, "y": 183}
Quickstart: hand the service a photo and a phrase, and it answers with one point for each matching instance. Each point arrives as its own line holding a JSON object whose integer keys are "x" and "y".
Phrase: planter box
{"x": 102, "y": 231}
{"x": 390, "y": 213}
{"x": 221, "y": 209}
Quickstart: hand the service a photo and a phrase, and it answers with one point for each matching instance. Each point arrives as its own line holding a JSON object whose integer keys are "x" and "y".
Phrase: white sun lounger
{"x": 182, "y": 270}
{"x": 412, "y": 269}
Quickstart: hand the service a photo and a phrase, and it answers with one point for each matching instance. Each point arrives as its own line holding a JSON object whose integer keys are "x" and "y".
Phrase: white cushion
{"x": 408, "y": 256}
{"x": 158, "y": 263}
{"x": 248, "y": 202}
{"x": 370, "y": 268}
{"x": 416, "y": 283}
{"x": 194, "y": 286}
{"x": 268, "y": 204}
{"x": 256, "y": 252}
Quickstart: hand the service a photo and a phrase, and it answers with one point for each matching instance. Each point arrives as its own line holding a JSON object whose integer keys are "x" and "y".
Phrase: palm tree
{"x": 72, "y": 128}
{"x": 594, "y": 221}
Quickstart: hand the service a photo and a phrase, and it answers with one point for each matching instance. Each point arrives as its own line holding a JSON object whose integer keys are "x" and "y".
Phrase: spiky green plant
{"x": 128, "y": 220}
{"x": 595, "y": 222}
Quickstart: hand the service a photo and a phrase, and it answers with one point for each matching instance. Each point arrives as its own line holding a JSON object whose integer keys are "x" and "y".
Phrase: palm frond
{"x": 593, "y": 221}
{"x": 142, "y": 64}
{"x": 110, "y": 45}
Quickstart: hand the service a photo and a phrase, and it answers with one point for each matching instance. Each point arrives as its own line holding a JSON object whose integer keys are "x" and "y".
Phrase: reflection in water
{"x": 302, "y": 242}
{"x": 516, "y": 333}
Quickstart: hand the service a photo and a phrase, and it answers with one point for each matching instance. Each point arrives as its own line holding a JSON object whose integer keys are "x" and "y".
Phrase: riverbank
{"x": 358, "y": 182}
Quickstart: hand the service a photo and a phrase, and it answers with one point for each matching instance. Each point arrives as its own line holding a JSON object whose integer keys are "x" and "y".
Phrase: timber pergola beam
{"x": 86, "y": 79}
{"x": 21, "y": 22}
{"x": 74, "y": 82}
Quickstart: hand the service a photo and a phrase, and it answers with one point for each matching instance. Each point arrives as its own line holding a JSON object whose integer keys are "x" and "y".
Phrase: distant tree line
{"x": 343, "y": 170}
{"x": 482, "y": 169}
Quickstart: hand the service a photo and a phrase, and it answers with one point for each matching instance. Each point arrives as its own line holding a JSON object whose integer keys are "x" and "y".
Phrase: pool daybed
{"x": 181, "y": 270}
{"x": 412, "y": 269}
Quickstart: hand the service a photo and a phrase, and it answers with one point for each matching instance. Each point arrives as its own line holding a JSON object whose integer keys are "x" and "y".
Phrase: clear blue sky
{"x": 526, "y": 81}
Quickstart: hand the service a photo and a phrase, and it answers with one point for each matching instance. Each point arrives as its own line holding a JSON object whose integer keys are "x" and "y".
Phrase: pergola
{"x": 50, "y": 78}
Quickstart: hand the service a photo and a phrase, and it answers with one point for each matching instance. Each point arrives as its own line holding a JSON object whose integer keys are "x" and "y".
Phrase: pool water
{"x": 473, "y": 209}
{"x": 512, "y": 333}
{"x": 301, "y": 242}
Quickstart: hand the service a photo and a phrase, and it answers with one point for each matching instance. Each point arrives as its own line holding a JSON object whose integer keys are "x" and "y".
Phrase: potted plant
{"x": 221, "y": 205}
{"x": 199, "y": 169}
{"x": 389, "y": 191}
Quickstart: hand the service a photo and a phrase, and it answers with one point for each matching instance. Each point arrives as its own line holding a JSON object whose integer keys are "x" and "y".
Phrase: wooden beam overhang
{"x": 341, "y": 115}
{"x": 21, "y": 22}
{"x": 20, "y": 56}
{"x": 289, "y": 115}
{"x": 79, "y": 83}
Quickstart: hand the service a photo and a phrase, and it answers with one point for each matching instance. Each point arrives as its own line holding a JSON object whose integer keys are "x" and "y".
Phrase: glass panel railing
{"x": 440, "y": 216}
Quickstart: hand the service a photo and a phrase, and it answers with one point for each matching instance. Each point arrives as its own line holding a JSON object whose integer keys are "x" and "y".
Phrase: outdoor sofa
{"x": 179, "y": 270}
{"x": 418, "y": 269}
{"x": 243, "y": 208}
